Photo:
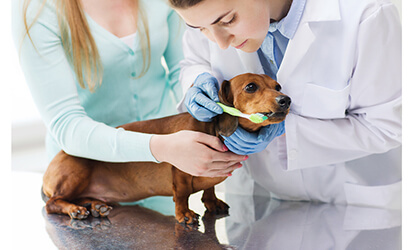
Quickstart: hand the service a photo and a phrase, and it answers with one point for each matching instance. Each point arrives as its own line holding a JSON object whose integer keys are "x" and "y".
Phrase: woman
{"x": 93, "y": 65}
{"x": 339, "y": 61}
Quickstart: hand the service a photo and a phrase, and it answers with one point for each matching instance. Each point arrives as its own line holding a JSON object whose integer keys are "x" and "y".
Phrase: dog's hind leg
{"x": 65, "y": 179}
{"x": 56, "y": 205}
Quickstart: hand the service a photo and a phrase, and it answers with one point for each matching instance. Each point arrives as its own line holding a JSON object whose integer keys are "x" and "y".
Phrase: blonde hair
{"x": 79, "y": 45}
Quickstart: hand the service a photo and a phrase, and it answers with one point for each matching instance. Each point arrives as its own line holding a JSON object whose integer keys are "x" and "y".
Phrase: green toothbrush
{"x": 255, "y": 118}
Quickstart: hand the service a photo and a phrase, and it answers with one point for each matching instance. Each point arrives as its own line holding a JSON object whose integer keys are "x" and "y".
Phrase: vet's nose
{"x": 222, "y": 37}
{"x": 283, "y": 101}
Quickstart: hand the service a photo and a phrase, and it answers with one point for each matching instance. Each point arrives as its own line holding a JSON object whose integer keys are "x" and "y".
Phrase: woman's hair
{"x": 183, "y": 4}
{"x": 79, "y": 45}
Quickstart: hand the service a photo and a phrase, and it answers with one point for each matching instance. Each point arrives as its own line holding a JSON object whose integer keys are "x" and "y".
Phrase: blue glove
{"x": 201, "y": 97}
{"x": 242, "y": 142}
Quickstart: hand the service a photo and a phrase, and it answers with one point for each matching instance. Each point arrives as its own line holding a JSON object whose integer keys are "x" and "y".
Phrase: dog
{"x": 77, "y": 186}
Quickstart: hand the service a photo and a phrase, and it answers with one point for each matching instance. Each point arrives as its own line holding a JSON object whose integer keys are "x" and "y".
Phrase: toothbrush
{"x": 255, "y": 118}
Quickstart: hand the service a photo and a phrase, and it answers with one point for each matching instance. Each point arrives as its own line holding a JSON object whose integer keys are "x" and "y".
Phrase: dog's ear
{"x": 225, "y": 93}
{"x": 226, "y": 124}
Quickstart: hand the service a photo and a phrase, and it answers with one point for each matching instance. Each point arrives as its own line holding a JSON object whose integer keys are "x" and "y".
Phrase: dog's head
{"x": 251, "y": 93}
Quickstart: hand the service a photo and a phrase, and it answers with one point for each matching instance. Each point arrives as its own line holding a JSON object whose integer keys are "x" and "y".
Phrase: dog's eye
{"x": 278, "y": 87}
{"x": 251, "y": 87}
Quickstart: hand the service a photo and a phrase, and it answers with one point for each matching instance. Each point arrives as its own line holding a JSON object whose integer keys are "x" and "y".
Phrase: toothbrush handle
{"x": 229, "y": 110}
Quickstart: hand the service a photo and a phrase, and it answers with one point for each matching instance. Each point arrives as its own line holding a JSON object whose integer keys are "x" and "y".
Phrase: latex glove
{"x": 201, "y": 97}
{"x": 242, "y": 142}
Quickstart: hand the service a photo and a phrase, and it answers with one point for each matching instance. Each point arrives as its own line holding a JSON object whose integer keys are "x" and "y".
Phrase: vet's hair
{"x": 183, "y": 4}
{"x": 79, "y": 44}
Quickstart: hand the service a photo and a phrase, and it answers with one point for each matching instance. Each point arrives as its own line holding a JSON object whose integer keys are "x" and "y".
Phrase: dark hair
{"x": 183, "y": 4}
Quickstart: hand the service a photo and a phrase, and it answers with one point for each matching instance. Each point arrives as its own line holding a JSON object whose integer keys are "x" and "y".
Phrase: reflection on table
{"x": 254, "y": 223}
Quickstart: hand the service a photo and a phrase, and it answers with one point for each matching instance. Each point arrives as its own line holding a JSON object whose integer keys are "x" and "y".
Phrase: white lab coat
{"x": 342, "y": 70}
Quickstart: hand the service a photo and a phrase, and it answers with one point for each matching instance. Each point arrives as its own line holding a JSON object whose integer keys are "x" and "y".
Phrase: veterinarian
{"x": 92, "y": 65}
{"x": 339, "y": 61}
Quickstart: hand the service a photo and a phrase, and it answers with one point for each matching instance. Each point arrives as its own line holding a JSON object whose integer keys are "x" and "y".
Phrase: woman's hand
{"x": 195, "y": 153}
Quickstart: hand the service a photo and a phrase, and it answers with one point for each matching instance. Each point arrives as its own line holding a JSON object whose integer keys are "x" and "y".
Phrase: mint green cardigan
{"x": 83, "y": 123}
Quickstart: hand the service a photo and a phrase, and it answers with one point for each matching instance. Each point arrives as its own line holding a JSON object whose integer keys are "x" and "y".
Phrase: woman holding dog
{"x": 339, "y": 61}
{"x": 93, "y": 65}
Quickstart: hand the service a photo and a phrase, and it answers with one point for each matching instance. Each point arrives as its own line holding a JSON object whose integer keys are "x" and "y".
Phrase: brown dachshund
{"x": 72, "y": 184}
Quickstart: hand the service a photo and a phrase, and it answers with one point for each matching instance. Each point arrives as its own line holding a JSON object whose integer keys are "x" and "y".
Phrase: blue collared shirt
{"x": 274, "y": 46}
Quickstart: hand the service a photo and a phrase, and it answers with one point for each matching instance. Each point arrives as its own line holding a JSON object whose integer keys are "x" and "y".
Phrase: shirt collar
{"x": 288, "y": 25}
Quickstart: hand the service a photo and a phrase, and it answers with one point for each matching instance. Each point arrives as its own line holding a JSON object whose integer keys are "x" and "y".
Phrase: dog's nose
{"x": 283, "y": 101}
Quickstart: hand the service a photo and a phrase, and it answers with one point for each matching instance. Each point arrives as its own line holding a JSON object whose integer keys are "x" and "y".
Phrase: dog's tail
{"x": 43, "y": 195}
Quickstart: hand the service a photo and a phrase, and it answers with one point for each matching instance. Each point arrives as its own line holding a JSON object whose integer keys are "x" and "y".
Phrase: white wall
{"x": 27, "y": 130}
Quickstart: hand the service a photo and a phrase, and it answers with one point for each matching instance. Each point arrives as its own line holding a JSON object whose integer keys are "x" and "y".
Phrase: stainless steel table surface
{"x": 253, "y": 223}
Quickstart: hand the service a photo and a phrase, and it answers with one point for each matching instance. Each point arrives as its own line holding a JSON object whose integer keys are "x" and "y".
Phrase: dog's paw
{"x": 79, "y": 213}
{"x": 217, "y": 207}
{"x": 100, "y": 224}
{"x": 181, "y": 229}
{"x": 100, "y": 210}
{"x": 79, "y": 224}
{"x": 187, "y": 217}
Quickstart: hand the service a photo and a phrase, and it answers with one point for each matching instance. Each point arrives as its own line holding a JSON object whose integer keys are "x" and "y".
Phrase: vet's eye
{"x": 251, "y": 87}
{"x": 231, "y": 21}
{"x": 278, "y": 87}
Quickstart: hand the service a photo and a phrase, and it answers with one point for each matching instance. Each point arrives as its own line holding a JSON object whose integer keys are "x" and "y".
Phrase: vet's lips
{"x": 240, "y": 46}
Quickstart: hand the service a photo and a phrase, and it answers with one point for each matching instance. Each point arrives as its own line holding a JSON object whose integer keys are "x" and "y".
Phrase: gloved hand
{"x": 201, "y": 97}
{"x": 242, "y": 142}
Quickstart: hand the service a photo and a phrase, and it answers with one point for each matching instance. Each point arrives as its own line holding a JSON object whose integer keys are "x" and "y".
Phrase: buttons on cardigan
{"x": 131, "y": 52}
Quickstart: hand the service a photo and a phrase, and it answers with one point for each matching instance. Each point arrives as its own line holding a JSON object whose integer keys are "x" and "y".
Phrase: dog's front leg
{"x": 182, "y": 188}
{"x": 213, "y": 204}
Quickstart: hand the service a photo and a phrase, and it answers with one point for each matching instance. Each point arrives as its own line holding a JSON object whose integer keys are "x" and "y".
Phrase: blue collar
{"x": 288, "y": 25}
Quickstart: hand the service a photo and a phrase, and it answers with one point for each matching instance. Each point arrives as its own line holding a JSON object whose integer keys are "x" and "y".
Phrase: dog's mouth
{"x": 274, "y": 114}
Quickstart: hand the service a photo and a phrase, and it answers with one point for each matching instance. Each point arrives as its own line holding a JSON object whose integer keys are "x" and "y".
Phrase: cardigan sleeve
{"x": 52, "y": 84}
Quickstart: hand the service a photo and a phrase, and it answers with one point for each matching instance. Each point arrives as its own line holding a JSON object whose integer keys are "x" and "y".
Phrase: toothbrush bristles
{"x": 257, "y": 118}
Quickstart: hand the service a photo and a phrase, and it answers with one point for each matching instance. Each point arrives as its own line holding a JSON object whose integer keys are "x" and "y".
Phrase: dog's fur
{"x": 71, "y": 184}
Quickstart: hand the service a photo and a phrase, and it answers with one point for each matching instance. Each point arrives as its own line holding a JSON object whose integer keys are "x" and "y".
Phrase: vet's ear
{"x": 225, "y": 93}
{"x": 226, "y": 124}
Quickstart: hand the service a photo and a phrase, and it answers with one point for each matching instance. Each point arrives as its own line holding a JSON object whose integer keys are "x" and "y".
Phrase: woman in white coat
{"x": 339, "y": 61}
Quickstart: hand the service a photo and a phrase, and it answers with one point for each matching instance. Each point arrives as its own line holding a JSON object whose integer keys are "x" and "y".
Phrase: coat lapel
{"x": 315, "y": 11}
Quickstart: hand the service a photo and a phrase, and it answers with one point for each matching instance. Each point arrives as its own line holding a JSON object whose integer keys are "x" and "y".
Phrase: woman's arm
{"x": 196, "y": 60}
{"x": 52, "y": 84}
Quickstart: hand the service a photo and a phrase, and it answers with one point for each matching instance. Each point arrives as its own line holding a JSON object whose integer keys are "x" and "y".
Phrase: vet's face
{"x": 242, "y": 24}
{"x": 260, "y": 94}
